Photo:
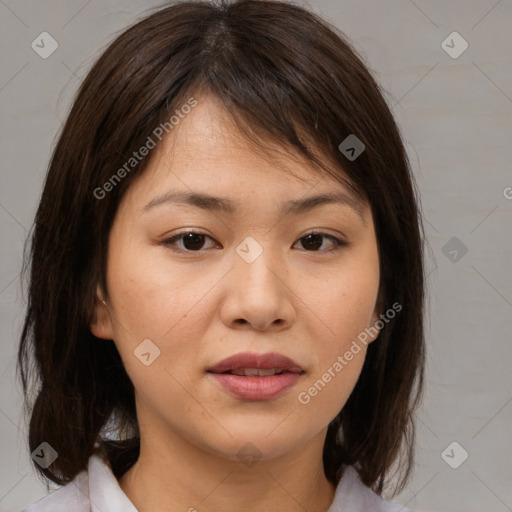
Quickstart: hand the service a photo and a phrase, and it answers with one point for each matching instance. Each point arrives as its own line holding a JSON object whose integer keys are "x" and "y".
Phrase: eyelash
{"x": 169, "y": 242}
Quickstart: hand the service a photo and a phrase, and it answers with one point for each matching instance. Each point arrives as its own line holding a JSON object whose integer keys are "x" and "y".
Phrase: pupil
{"x": 318, "y": 238}
{"x": 191, "y": 239}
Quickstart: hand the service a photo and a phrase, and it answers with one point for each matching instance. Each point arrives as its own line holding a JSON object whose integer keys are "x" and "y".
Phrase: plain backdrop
{"x": 454, "y": 108}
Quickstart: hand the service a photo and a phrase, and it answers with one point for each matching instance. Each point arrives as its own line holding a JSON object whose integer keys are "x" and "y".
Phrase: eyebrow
{"x": 223, "y": 204}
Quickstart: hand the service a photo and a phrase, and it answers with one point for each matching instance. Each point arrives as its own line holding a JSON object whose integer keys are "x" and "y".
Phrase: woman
{"x": 226, "y": 290}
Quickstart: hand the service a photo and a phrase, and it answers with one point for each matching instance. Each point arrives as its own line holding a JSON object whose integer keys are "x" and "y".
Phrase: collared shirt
{"x": 97, "y": 490}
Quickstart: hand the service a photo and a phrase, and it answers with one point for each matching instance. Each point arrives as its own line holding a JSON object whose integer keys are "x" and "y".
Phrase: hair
{"x": 285, "y": 76}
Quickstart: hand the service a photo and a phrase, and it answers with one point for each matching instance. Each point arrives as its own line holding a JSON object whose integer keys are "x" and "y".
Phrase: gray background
{"x": 456, "y": 118}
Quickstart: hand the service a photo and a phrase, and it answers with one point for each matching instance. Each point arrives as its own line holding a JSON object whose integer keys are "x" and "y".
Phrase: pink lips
{"x": 256, "y": 387}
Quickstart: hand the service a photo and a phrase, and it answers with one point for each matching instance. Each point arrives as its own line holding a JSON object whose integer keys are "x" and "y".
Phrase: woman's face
{"x": 251, "y": 282}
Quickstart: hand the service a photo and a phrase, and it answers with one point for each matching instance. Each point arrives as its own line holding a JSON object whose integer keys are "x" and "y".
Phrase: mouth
{"x": 251, "y": 364}
{"x": 253, "y": 376}
{"x": 255, "y": 372}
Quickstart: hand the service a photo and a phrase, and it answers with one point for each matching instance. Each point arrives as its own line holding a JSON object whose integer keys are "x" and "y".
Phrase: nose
{"x": 258, "y": 295}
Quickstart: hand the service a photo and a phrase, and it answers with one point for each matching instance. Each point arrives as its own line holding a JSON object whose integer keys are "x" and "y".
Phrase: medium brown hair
{"x": 286, "y": 76}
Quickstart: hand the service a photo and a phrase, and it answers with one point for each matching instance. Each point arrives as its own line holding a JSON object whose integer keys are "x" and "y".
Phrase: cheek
{"x": 345, "y": 304}
{"x": 154, "y": 298}
{"x": 326, "y": 392}
{"x": 156, "y": 304}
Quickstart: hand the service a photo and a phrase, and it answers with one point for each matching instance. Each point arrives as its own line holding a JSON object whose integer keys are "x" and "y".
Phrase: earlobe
{"x": 376, "y": 323}
{"x": 101, "y": 324}
{"x": 374, "y": 328}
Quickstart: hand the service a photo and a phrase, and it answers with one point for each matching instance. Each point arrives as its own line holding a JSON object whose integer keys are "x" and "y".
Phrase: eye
{"x": 314, "y": 240}
{"x": 193, "y": 241}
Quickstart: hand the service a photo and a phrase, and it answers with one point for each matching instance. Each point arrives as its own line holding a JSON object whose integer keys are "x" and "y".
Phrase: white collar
{"x": 351, "y": 494}
{"x": 104, "y": 491}
{"x": 97, "y": 490}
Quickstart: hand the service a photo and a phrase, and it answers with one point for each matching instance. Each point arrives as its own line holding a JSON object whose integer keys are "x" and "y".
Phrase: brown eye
{"x": 192, "y": 241}
{"x": 313, "y": 241}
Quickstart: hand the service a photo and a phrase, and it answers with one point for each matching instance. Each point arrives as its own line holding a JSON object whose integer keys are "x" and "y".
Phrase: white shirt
{"x": 97, "y": 490}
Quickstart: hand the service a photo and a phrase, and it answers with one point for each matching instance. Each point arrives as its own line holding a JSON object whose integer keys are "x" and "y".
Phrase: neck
{"x": 177, "y": 476}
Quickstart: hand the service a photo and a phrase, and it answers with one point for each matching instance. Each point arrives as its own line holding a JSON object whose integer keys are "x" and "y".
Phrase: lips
{"x": 251, "y": 364}
{"x": 251, "y": 376}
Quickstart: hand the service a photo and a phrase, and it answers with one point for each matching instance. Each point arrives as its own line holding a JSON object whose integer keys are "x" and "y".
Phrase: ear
{"x": 373, "y": 329}
{"x": 101, "y": 324}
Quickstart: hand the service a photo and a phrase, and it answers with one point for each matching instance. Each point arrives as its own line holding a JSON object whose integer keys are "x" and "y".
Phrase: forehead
{"x": 209, "y": 135}
{"x": 206, "y": 152}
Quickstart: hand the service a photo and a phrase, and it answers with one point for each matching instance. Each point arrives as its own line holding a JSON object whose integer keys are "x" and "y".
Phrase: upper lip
{"x": 259, "y": 361}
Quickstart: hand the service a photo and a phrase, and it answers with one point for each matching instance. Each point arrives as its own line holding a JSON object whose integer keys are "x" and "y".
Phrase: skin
{"x": 201, "y": 306}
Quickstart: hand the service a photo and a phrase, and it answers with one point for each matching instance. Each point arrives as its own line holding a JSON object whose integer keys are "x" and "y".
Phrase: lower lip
{"x": 256, "y": 388}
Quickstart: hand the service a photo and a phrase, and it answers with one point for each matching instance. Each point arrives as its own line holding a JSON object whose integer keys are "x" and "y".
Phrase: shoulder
{"x": 96, "y": 487}
{"x": 72, "y": 497}
{"x": 352, "y": 495}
